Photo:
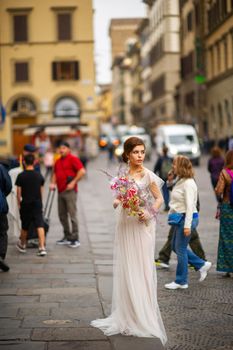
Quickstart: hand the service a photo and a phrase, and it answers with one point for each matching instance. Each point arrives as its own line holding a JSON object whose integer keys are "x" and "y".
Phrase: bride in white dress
{"x": 135, "y": 309}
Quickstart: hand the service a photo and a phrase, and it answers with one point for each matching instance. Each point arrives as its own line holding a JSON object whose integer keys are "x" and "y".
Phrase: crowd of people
{"x": 135, "y": 310}
{"x": 21, "y": 195}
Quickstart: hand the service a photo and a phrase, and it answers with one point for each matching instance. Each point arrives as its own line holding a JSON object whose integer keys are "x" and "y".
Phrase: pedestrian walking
{"x": 183, "y": 215}
{"x": 5, "y": 189}
{"x": 29, "y": 195}
{"x": 195, "y": 243}
{"x": 215, "y": 166}
{"x": 68, "y": 171}
{"x": 30, "y": 149}
{"x": 162, "y": 168}
{"x": 135, "y": 310}
{"x": 230, "y": 143}
{"x": 48, "y": 163}
{"x": 13, "y": 214}
{"x": 165, "y": 252}
{"x": 224, "y": 189}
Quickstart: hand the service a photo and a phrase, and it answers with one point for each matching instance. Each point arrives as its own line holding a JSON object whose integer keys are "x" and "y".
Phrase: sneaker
{"x": 227, "y": 275}
{"x": 42, "y": 252}
{"x": 74, "y": 244}
{"x": 161, "y": 263}
{"x": 174, "y": 285}
{"x": 203, "y": 270}
{"x": 3, "y": 266}
{"x": 21, "y": 247}
{"x": 63, "y": 241}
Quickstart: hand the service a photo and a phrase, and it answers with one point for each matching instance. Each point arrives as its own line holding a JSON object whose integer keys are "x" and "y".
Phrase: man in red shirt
{"x": 68, "y": 170}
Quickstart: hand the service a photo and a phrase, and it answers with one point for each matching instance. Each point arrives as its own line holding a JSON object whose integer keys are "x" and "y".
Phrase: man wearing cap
{"x": 68, "y": 170}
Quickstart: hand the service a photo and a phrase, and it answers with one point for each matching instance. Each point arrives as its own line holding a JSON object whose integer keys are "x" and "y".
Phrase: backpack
{"x": 5, "y": 188}
{"x": 230, "y": 172}
{"x": 165, "y": 167}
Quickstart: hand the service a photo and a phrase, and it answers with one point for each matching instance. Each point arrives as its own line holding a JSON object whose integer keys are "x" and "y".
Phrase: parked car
{"x": 146, "y": 139}
{"x": 106, "y": 140}
{"x": 180, "y": 139}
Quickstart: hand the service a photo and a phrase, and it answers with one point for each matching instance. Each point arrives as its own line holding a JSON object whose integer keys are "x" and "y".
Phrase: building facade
{"x": 219, "y": 63}
{"x": 122, "y": 32}
{"x": 143, "y": 32}
{"x": 190, "y": 95}
{"x": 164, "y": 49}
{"x": 105, "y": 103}
{"x": 47, "y": 58}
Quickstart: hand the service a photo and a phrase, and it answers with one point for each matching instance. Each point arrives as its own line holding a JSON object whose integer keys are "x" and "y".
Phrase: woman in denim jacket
{"x": 183, "y": 215}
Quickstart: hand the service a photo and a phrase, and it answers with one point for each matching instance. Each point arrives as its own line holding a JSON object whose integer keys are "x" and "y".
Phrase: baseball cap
{"x": 64, "y": 143}
{"x": 29, "y": 148}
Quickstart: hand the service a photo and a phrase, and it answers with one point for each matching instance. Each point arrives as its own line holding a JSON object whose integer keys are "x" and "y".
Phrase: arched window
{"x": 23, "y": 106}
{"x": 67, "y": 107}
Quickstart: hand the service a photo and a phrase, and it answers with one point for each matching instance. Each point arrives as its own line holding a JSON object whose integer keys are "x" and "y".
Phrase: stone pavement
{"x": 47, "y": 303}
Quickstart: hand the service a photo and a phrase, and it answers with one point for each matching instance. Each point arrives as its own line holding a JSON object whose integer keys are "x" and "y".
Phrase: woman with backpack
{"x": 224, "y": 190}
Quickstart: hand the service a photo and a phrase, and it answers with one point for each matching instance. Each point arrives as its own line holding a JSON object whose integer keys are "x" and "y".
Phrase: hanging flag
{"x": 2, "y": 114}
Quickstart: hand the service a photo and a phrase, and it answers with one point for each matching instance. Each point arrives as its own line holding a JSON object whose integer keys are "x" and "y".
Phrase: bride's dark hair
{"x": 129, "y": 145}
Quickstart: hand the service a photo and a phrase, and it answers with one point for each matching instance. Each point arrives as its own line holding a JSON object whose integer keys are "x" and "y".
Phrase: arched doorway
{"x": 23, "y": 113}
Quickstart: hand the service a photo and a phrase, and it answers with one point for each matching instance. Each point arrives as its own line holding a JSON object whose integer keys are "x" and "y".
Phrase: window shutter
{"x": 64, "y": 26}
{"x": 76, "y": 70}
{"x": 21, "y": 72}
{"x": 54, "y": 71}
{"x": 20, "y": 28}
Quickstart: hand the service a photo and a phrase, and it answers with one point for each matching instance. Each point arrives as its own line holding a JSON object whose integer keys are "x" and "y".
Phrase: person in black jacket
{"x": 5, "y": 189}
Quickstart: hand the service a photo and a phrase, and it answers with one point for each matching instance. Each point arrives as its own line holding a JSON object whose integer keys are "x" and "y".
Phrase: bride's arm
{"x": 157, "y": 195}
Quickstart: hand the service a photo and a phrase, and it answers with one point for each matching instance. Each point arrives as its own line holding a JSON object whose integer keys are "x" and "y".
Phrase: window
{"x": 223, "y": 8}
{"x": 158, "y": 87}
{"x": 190, "y": 21}
{"x": 197, "y": 13}
{"x": 218, "y": 56}
{"x": 23, "y": 105}
{"x": 64, "y": 26}
{"x": 220, "y": 115}
{"x": 225, "y": 53}
{"x": 187, "y": 65}
{"x": 20, "y": 28}
{"x": 227, "y": 111}
{"x": 21, "y": 72}
{"x": 189, "y": 99}
{"x": 67, "y": 107}
{"x": 213, "y": 119}
{"x": 65, "y": 70}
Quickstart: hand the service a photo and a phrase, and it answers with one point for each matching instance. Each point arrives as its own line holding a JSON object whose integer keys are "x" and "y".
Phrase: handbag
{"x": 175, "y": 218}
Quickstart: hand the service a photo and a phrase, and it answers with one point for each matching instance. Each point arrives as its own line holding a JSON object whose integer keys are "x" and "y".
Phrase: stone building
{"x": 190, "y": 95}
{"x": 47, "y": 66}
{"x": 122, "y": 32}
{"x": 219, "y": 64}
{"x": 164, "y": 50}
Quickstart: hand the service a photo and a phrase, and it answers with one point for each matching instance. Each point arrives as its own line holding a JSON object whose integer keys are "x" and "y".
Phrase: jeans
{"x": 195, "y": 244}
{"x": 165, "y": 195}
{"x": 67, "y": 209}
{"x": 184, "y": 256}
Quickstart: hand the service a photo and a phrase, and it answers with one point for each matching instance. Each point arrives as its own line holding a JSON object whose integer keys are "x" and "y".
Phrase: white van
{"x": 179, "y": 139}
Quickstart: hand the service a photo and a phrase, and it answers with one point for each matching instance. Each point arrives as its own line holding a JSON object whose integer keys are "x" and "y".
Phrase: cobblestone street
{"x": 47, "y": 303}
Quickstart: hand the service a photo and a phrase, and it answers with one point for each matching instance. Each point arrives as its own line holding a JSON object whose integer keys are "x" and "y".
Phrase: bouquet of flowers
{"x": 134, "y": 199}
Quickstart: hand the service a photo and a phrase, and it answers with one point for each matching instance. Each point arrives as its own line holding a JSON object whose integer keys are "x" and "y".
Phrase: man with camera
{"x": 68, "y": 170}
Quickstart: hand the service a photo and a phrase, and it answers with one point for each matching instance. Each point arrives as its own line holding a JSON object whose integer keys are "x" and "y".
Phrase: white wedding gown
{"x": 135, "y": 309}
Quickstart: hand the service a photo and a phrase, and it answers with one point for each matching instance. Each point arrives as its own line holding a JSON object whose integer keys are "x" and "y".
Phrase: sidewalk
{"x": 48, "y": 302}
